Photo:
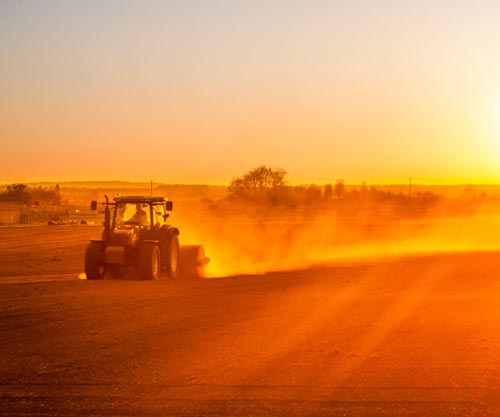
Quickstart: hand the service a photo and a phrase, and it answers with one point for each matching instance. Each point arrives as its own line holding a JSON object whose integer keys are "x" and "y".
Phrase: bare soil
{"x": 405, "y": 336}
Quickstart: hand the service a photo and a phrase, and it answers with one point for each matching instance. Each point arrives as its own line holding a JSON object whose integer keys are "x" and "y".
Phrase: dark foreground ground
{"x": 409, "y": 336}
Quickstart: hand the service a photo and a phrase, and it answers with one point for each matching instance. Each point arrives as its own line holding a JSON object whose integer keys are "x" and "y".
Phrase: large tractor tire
{"x": 192, "y": 261}
{"x": 149, "y": 261}
{"x": 95, "y": 265}
{"x": 172, "y": 257}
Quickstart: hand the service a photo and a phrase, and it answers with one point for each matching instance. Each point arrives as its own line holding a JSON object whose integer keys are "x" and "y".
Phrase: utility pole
{"x": 409, "y": 186}
{"x": 151, "y": 188}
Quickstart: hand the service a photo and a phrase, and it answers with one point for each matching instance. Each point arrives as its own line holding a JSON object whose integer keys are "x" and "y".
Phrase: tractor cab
{"x": 135, "y": 219}
{"x": 140, "y": 211}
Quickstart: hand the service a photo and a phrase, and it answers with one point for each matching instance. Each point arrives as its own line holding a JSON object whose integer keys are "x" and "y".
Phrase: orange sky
{"x": 200, "y": 92}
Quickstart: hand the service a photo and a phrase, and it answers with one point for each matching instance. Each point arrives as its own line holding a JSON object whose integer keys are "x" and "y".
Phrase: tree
{"x": 261, "y": 183}
{"x": 313, "y": 194}
{"x": 16, "y": 189}
{"x": 328, "y": 193}
{"x": 46, "y": 195}
{"x": 339, "y": 188}
{"x": 17, "y": 192}
{"x": 57, "y": 193}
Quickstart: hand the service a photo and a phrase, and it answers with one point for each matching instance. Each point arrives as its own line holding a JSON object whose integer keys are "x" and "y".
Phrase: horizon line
{"x": 219, "y": 184}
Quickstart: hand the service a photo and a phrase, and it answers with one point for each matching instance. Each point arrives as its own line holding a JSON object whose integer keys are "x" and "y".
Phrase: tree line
{"x": 267, "y": 185}
{"x": 22, "y": 193}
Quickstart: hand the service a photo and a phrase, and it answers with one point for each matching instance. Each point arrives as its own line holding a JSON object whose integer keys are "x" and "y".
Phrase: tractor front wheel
{"x": 95, "y": 266}
{"x": 149, "y": 261}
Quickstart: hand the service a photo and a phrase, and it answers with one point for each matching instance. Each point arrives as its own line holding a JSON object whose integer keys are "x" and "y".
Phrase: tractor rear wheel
{"x": 95, "y": 266}
{"x": 192, "y": 261}
{"x": 149, "y": 261}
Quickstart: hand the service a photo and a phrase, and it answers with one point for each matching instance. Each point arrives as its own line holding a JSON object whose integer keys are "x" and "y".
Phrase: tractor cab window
{"x": 132, "y": 214}
{"x": 158, "y": 213}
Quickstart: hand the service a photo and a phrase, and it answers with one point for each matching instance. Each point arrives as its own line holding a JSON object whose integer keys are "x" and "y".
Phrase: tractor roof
{"x": 139, "y": 199}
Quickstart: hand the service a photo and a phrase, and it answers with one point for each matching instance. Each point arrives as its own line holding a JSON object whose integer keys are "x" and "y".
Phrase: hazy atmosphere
{"x": 196, "y": 91}
{"x": 249, "y": 208}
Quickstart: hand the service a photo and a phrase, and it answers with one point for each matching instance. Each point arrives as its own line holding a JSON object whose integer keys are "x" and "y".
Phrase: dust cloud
{"x": 246, "y": 237}
{"x": 253, "y": 244}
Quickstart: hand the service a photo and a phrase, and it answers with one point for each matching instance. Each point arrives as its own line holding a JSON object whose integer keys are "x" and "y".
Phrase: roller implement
{"x": 137, "y": 238}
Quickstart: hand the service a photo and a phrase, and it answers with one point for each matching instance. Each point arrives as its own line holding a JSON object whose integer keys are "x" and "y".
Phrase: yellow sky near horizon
{"x": 201, "y": 92}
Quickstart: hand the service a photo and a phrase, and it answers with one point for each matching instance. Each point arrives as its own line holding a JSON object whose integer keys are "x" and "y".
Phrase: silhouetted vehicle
{"x": 136, "y": 235}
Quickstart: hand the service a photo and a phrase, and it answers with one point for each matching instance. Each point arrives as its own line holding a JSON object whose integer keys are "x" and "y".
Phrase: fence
{"x": 58, "y": 214}
{"x": 15, "y": 213}
{"x": 10, "y": 216}
{"x": 10, "y": 212}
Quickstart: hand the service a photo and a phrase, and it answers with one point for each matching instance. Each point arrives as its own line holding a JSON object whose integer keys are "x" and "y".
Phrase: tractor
{"x": 137, "y": 237}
